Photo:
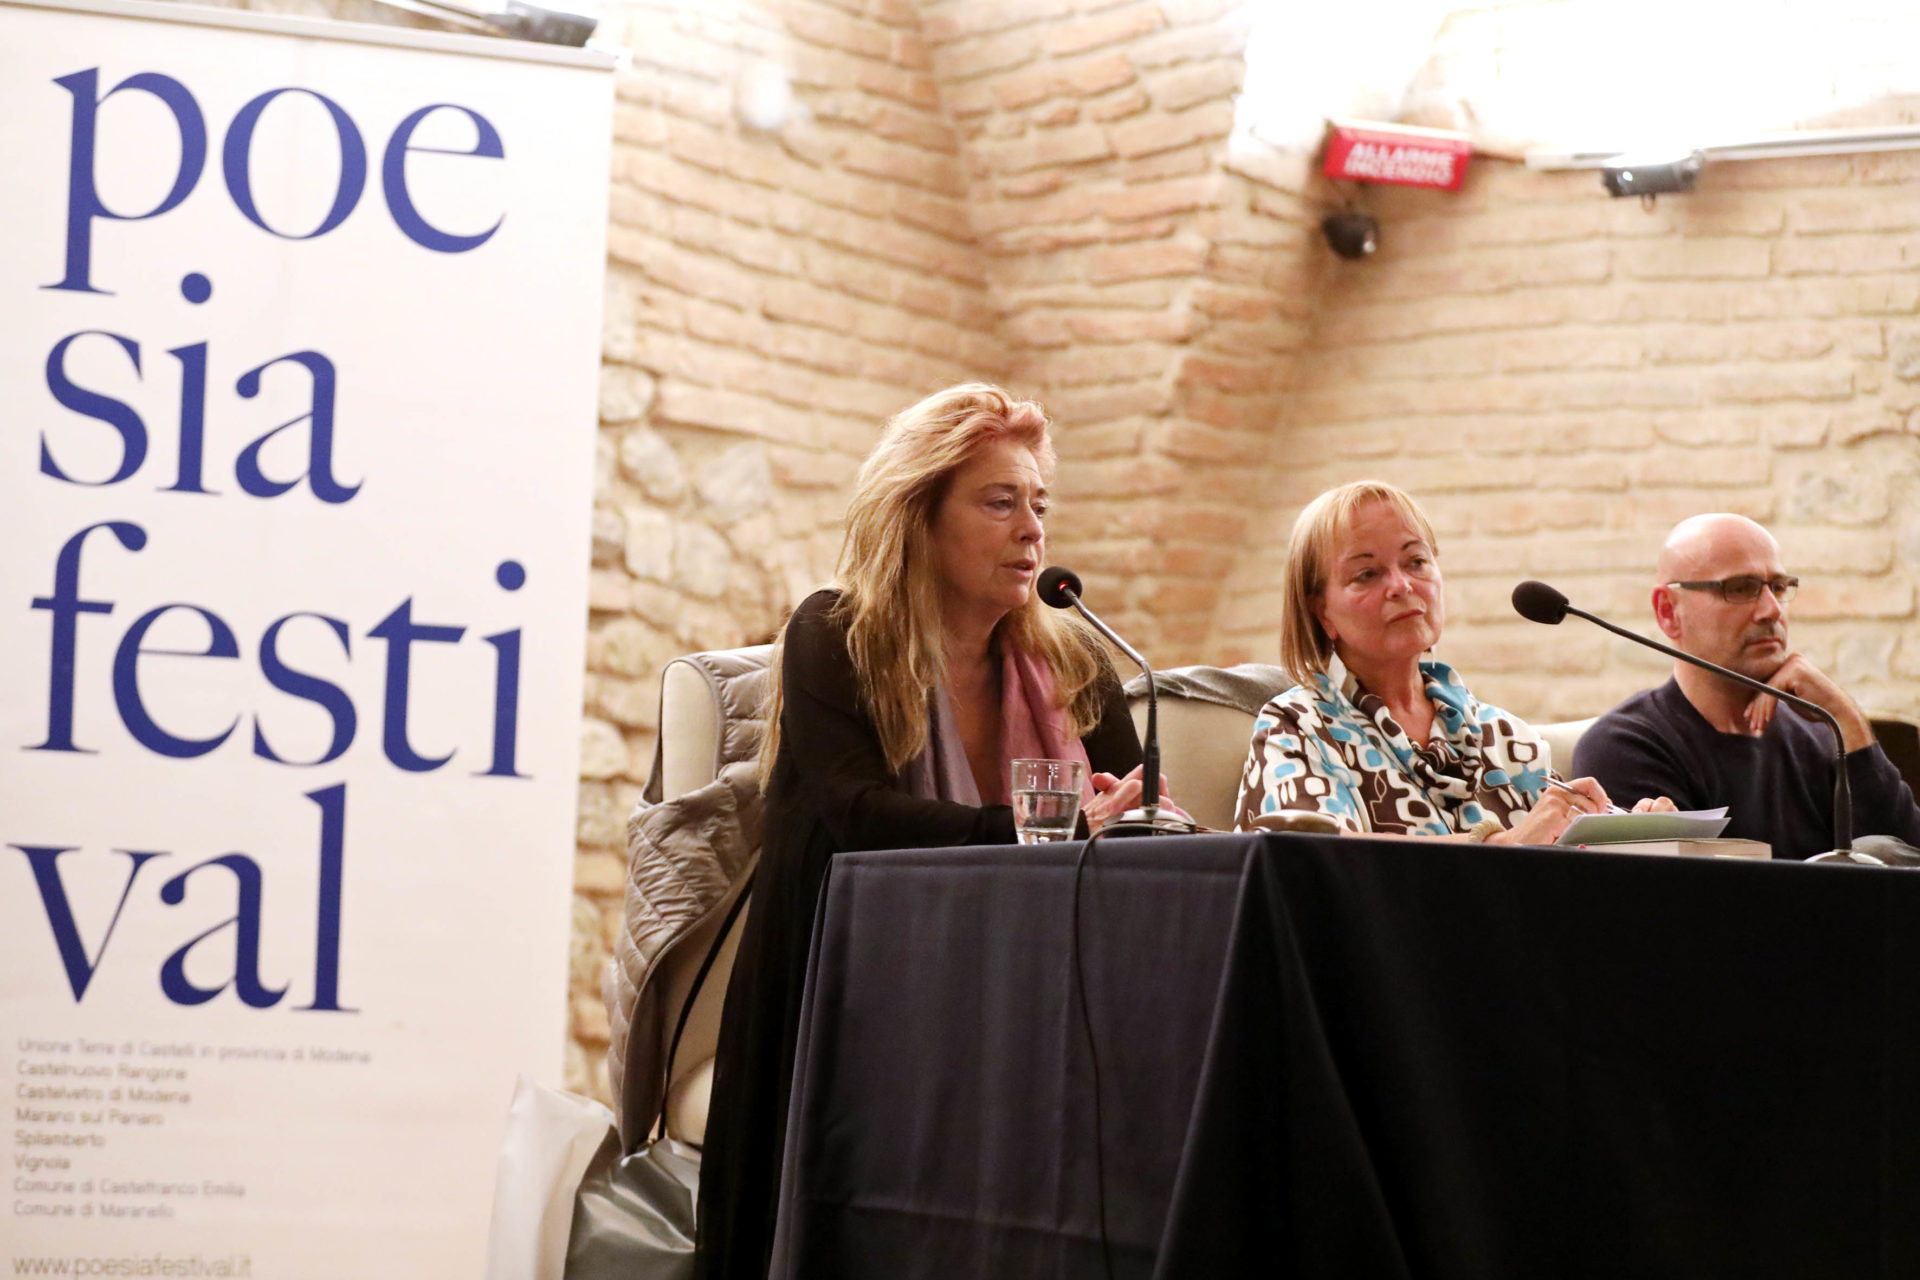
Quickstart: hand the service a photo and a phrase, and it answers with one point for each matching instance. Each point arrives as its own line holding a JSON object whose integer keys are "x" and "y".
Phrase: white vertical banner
{"x": 299, "y": 343}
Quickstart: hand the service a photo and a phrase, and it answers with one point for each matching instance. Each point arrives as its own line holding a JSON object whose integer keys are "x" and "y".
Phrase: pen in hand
{"x": 1555, "y": 782}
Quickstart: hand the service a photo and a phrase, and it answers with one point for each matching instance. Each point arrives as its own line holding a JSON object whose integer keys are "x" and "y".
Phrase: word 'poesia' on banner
{"x": 66, "y": 604}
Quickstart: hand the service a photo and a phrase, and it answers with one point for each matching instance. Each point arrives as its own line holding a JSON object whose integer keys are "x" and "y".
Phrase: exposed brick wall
{"x": 1149, "y": 294}
{"x": 1561, "y": 377}
{"x": 1051, "y": 193}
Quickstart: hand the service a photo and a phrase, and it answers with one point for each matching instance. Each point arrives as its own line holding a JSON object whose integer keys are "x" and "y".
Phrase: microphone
{"x": 1060, "y": 587}
{"x": 1538, "y": 602}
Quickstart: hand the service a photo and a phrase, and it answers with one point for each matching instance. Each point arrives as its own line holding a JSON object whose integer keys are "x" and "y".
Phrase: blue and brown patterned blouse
{"x": 1332, "y": 747}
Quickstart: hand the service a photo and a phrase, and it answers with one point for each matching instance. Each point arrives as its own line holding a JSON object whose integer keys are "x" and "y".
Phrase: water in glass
{"x": 1043, "y": 816}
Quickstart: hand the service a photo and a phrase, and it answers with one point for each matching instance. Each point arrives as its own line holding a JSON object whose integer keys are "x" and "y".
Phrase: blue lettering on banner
{"x": 236, "y": 159}
{"x": 79, "y": 965}
{"x": 101, "y": 408}
{"x": 126, "y": 682}
{"x": 393, "y": 177}
{"x": 83, "y": 198}
{"x": 249, "y": 887}
{"x": 247, "y": 468}
{"x": 397, "y": 630}
{"x": 311, "y": 688}
{"x": 230, "y": 967}
{"x": 319, "y": 473}
{"x": 84, "y": 206}
{"x": 66, "y": 606}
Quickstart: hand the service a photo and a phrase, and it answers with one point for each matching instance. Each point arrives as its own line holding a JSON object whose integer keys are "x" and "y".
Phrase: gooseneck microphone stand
{"x": 1061, "y": 588}
{"x": 1538, "y": 602}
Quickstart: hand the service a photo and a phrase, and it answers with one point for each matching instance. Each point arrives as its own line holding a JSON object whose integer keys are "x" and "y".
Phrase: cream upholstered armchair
{"x": 692, "y": 843}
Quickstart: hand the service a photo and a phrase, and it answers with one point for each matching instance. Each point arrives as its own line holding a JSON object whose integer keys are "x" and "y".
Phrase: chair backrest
{"x": 1561, "y": 739}
{"x": 1206, "y": 724}
{"x": 1899, "y": 737}
{"x": 712, "y": 716}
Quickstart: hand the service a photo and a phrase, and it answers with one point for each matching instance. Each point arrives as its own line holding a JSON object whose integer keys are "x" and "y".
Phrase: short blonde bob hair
{"x": 1305, "y": 648}
{"x": 890, "y": 587}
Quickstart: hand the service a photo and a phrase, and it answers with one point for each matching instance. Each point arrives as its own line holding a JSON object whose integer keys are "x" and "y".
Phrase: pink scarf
{"x": 1032, "y": 727}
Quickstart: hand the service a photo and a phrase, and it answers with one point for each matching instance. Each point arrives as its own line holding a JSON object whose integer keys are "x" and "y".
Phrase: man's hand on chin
{"x": 1802, "y": 679}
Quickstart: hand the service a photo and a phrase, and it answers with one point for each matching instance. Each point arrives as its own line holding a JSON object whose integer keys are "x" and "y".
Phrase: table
{"x": 1347, "y": 1057}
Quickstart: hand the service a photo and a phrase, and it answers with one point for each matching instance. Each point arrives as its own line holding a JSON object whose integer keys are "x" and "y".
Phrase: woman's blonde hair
{"x": 1305, "y": 647}
{"x": 890, "y": 588}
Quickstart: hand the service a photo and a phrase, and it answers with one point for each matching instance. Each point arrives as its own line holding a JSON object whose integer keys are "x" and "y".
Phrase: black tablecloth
{"x": 1341, "y": 1057}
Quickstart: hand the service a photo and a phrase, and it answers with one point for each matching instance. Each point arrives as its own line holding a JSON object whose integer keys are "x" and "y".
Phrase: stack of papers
{"x": 1612, "y": 828}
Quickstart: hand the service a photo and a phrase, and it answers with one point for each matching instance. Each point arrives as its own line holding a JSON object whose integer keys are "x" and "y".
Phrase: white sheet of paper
{"x": 1607, "y": 828}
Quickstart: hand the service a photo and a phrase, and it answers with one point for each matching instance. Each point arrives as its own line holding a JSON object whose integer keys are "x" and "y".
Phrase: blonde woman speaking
{"x": 900, "y": 697}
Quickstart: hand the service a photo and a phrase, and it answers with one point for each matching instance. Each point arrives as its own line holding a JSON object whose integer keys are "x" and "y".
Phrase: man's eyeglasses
{"x": 1746, "y": 588}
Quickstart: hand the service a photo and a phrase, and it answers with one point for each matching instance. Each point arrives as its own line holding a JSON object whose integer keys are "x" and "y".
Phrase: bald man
{"x": 1722, "y": 595}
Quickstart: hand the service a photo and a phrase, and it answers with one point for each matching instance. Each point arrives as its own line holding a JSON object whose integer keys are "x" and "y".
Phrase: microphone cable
{"x": 1093, "y": 1058}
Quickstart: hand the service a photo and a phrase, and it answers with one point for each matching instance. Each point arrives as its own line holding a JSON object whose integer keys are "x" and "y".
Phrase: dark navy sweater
{"x": 1777, "y": 788}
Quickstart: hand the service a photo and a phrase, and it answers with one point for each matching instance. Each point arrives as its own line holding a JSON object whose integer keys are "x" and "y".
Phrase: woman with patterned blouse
{"x": 1377, "y": 735}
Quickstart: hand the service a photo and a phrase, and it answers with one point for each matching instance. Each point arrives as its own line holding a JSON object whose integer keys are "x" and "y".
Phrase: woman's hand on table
{"x": 1114, "y": 796}
{"x": 1554, "y": 812}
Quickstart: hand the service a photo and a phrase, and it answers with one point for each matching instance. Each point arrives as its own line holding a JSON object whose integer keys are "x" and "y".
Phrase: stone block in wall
{"x": 577, "y": 1076}
{"x": 1192, "y": 42}
{"x": 640, "y": 752}
{"x": 587, "y": 1016}
{"x": 1707, "y": 427}
{"x": 942, "y": 24}
{"x": 1841, "y": 255}
{"x": 1166, "y": 131}
{"x": 654, "y": 603}
{"x": 1118, "y": 106}
{"x": 599, "y": 871}
{"x": 1850, "y": 598}
{"x": 586, "y": 946}
{"x": 609, "y": 536}
{"x": 1692, "y": 468}
{"x": 600, "y": 822}
{"x": 1906, "y": 658}
{"x": 1758, "y": 385}
{"x": 625, "y": 393}
{"x": 1195, "y": 442}
{"x": 1865, "y": 657}
{"x": 608, "y": 590}
{"x": 1851, "y": 495}
{"x": 603, "y": 752}
{"x": 735, "y": 485}
{"x": 1696, "y": 259}
{"x": 603, "y": 467}
{"x": 1903, "y": 353}
{"x": 701, "y": 560}
{"x": 1658, "y": 510}
{"x": 1129, "y": 22}
{"x": 647, "y": 459}
{"x": 649, "y": 543}
{"x": 623, "y": 646}
{"x": 1178, "y": 88}
{"x": 1844, "y": 210}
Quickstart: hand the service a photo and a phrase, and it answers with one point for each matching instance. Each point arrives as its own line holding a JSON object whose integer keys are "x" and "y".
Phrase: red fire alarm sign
{"x": 1402, "y": 154}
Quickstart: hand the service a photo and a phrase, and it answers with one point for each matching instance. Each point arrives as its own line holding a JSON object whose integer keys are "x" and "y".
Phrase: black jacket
{"x": 830, "y": 791}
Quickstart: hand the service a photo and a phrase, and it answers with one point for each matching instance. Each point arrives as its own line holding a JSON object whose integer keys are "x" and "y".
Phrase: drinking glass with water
{"x": 1046, "y": 799}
